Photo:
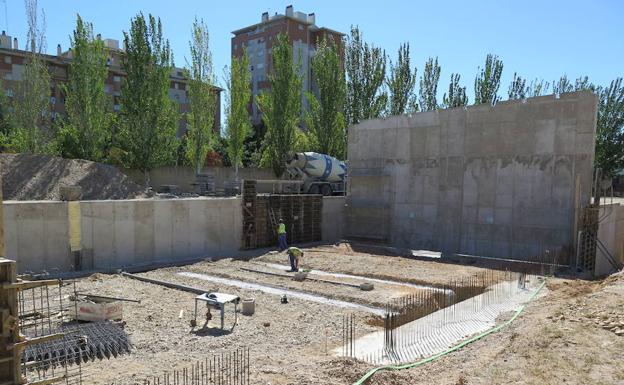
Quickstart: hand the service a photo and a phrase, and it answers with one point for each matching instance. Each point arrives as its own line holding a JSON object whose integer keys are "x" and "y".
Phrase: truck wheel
{"x": 326, "y": 190}
{"x": 314, "y": 189}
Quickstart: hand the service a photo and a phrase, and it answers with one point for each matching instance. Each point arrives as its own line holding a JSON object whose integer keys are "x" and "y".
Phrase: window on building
{"x": 7, "y": 59}
{"x": 8, "y": 76}
{"x": 235, "y": 47}
{"x": 9, "y": 93}
{"x": 116, "y": 108}
{"x": 52, "y": 100}
{"x": 260, "y": 65}
{"x": 109, "y": 62}
{"x": 251, "y": 68}
{"x": 116, "y": 79}
{"x": 301, "y": 27}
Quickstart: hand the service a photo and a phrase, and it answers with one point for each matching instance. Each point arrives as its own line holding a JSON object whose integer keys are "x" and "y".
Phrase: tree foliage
{"x": 281, "y": 105}
{"x": 366, "y": 72}
{"x": 30, "y": 104}
{"x": 487, "y": 81}
{"x": 456, "y": 96}
{"x": 239, "y": 96}
{"x": 610, "y": 128}
{"x": 537, "y": 88}
{"x": 401, "y": 81}
{"x": 429, "y": 85}
{"x": 563, "y": 85}
{"x": 201, "y": 97}
{"x": 325, "y": 119}
{"x": 86, "y": 131}
{"x": 6, "y": 125}
{"x": 517, "y": 88}
{"x": 148, "y": 116}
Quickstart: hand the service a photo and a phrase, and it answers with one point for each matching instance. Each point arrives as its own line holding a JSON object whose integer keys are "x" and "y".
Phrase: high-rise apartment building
{"x": 12, "y": 61}
{"x": 258, "y": 39}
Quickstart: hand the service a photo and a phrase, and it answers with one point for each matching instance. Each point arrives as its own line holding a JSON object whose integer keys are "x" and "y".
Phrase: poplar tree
{"x": 487, "y": 81}
{"x": 30, "y": 103}
{"x": 456, "y": 96}
{"x": 366, "y": 71}
{"x": 86, "y": 131}
{"x": 562, "y": 85}
{"x": 517, "y": 88}
{"x": 281, "y": 105}
{"x": 429, "y": 85}
{"x": 148, "y": 116}
{"x": 238, "y": 127}
{"x": 201, "y": 97}
{"x": 610, "y": 128}
{"x": 537, "y": 88}
{"x": 401, "y": 82}
{"x": 325, "y": 119}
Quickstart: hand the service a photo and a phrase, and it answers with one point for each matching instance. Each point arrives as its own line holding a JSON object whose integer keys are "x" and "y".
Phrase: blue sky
{"x": 542, "y": 39}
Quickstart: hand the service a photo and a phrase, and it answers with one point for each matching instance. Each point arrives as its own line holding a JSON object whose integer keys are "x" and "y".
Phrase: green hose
{"x": 452, "y": 349}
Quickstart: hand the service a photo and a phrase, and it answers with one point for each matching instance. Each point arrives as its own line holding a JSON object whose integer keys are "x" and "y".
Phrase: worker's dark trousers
{"x": 281, "y": 240}
{"x": 293, "y": 262}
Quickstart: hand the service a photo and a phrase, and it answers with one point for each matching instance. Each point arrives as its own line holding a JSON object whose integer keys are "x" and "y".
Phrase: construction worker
{"x": 294, "y": 254}
{"x": 281, "y": 235}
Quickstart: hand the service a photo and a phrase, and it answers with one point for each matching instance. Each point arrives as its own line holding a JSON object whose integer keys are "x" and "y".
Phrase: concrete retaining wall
{"x": 125, "y": 233}
{"x": 333, "y": 218}
{"x": 611, "y": 234}
{"x": 495, "y": 181}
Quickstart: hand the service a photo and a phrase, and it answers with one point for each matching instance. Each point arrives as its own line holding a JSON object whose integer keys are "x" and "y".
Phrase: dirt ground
{"x": 568, "y": 336}
{"x": 38, "y": 177}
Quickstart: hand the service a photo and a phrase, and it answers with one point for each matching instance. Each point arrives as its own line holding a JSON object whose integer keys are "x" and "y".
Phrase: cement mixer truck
{"x": 320, "y": 173}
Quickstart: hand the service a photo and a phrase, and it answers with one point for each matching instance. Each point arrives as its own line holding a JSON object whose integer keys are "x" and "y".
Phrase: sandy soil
{"x": 360, "y": 260}
{"x": 38, "y": 177}
{"x": 560, "y": 337}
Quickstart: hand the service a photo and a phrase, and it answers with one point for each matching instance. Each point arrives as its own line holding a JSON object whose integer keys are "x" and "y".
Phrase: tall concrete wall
{"x": 611, "y": 234}
{"x": 332, "y": 227}
{"x": 130, "y": 233}
{"x": 496, "y": 181}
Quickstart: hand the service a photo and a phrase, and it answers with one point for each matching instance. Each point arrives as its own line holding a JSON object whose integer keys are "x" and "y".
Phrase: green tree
{"x": 238, "y": 126}
{"x": 401, "y": 81}
{"x": 456, "y": 96}
{"x": 487, "y": 81}
{"x": 30, "y": 104}
{"x": 610, "y": 128}
{"x": 325, "y": 119}
{"x": 281, "y": 105}
{"x": 563, "y": 85}
{"x": 202, "y": 98}
{"x": 517, "y": 88}
{"x": 537, "y": 88}
{"x": 5, "y": 116}
{"x": 366, "y": 71}
{"x": 429, "y": 85}
{"x": 148, "y": 116}
{"x": 86, "y": 131}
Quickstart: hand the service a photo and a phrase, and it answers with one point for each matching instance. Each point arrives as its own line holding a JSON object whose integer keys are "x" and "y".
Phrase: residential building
{"x": 258, "y": 40}
{"x": 12, "y": 60}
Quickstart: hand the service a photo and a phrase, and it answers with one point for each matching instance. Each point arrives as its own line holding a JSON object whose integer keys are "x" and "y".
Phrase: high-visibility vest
{"x": 281, "y": 229}
{"x": 297, "y": 252}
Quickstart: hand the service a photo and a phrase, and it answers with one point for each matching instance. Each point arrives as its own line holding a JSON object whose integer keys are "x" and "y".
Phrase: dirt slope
{"x": 38, "y": 177}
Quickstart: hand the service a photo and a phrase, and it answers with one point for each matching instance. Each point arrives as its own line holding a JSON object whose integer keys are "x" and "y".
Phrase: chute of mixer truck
{"x": 321, "y": 173}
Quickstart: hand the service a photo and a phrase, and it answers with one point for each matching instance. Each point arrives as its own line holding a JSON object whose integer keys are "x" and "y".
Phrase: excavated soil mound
{"x": 38, "y": 177}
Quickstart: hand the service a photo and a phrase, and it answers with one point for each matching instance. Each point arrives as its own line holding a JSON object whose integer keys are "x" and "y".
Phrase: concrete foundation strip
{"x": 495, "y": 329}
